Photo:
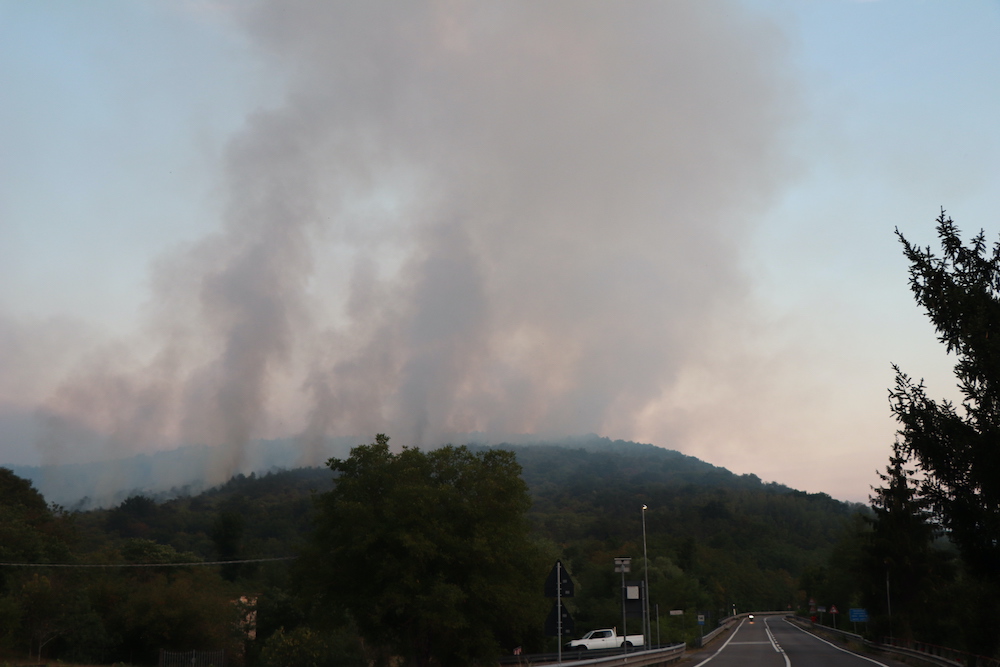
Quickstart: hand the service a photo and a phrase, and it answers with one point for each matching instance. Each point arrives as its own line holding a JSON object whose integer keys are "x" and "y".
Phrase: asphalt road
{"x": 771, "y": 641}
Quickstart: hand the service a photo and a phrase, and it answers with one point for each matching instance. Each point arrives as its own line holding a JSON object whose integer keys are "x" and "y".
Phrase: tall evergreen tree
{"x": 902, "y": 563}
{"x": 958, "y": 449}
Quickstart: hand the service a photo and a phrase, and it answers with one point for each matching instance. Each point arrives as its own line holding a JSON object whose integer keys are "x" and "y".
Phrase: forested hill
{"x": 583, "y": 489}
{"x": 605, "y": 483}
{"x": 597, "y": 459}
{"x": 710, "y": 528}
{"x": 714, "y": 538}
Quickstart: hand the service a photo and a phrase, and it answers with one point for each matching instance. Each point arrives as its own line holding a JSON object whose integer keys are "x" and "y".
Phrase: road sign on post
{"x": 634, "y": 598}
{"x": 559, "y": 585}
{"x": 623, "y": 564}
{"x": 564, "y": 587}
{"x": 554, "y": 624}
{"x": 859, "y": 615}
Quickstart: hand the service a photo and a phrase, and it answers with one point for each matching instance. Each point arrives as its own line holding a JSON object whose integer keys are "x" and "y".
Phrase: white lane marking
{"x": 721, "y": 647}
{"x": 774, "y": 643}
{"x": 881, "y": 664}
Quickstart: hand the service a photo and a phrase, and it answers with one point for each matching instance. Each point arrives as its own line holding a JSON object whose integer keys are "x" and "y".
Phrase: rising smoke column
{"x": 506, "y": 218}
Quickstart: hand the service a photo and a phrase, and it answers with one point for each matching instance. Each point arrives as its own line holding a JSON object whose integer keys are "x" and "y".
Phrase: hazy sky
{"x": 669, "y": 222}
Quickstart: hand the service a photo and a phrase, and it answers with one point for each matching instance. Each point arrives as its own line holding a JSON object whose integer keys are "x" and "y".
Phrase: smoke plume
{"x": 500, "y": 218}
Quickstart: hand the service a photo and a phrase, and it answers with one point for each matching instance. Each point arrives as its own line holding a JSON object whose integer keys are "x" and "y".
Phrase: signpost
{"x": 623, "y": 564}
{"x": 858, "y": 615}
{"x": 559, "y": 585}
{"x": 634, "y": 597}
{"x": 556, "y": 622}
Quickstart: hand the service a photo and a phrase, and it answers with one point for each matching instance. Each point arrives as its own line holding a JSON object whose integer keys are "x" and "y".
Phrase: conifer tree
{"x": 957, "y": 448}
{"x": 902, "y": 564}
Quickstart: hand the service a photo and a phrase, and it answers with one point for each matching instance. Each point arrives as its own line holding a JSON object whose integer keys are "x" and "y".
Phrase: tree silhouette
{"x": 957, "y": 449}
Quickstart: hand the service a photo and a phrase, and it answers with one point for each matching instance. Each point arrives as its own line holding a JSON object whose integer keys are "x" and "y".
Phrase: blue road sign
{"x": 859, "y": 615}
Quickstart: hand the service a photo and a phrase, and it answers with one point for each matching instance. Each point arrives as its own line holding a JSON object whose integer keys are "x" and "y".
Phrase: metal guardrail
{"x": 937, "y": 660}
{"x": 940, "y": 655}
{"x": 843, "y": 634}
{"x": 635, "y": 658}
{"x": 894, "y": 647}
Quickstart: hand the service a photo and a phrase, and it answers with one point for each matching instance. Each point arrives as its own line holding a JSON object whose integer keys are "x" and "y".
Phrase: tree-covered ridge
{"x": 604, "y": 489}
{"x": 715, "y": 539}
{"x": 275, "y": 511}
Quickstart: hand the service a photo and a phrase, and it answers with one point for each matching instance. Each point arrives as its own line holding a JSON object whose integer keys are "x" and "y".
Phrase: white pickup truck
{"x": 605, "y": 638}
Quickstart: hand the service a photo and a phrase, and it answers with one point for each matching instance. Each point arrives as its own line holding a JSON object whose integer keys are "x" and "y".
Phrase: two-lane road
{"x": 771, "y": 641}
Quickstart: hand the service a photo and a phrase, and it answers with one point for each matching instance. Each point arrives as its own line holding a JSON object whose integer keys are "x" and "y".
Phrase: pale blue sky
{"x": 114, "y": 118}
{"x": 117, "y": 119}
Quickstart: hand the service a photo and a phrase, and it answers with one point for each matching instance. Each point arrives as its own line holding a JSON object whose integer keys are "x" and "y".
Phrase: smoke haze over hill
{"x": 226, "y": 222}
{"x": 504, "y": 218}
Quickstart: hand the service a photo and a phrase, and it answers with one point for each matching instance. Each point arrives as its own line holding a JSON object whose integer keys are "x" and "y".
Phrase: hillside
{"x": 715, "y": 540}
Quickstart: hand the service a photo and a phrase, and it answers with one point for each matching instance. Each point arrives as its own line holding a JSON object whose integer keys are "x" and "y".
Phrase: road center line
{"x": 770, "y": 635}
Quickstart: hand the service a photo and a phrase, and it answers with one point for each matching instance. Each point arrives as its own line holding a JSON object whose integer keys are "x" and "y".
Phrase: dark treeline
{"x": 716, "y": 541}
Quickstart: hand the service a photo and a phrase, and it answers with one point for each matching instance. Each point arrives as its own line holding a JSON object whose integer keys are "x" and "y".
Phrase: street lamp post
{"x": 647, "y": 639}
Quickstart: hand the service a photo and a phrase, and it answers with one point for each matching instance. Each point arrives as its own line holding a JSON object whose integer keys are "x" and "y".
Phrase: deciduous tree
{"x": 430, "y": 552}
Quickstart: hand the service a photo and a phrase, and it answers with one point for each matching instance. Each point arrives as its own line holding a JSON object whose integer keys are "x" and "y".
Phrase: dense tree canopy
{"x": 430, "y": 552}
{"x": 905, "y": 575}
{"x": 29, "y": 530}
{"x": 958, "y": 450}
